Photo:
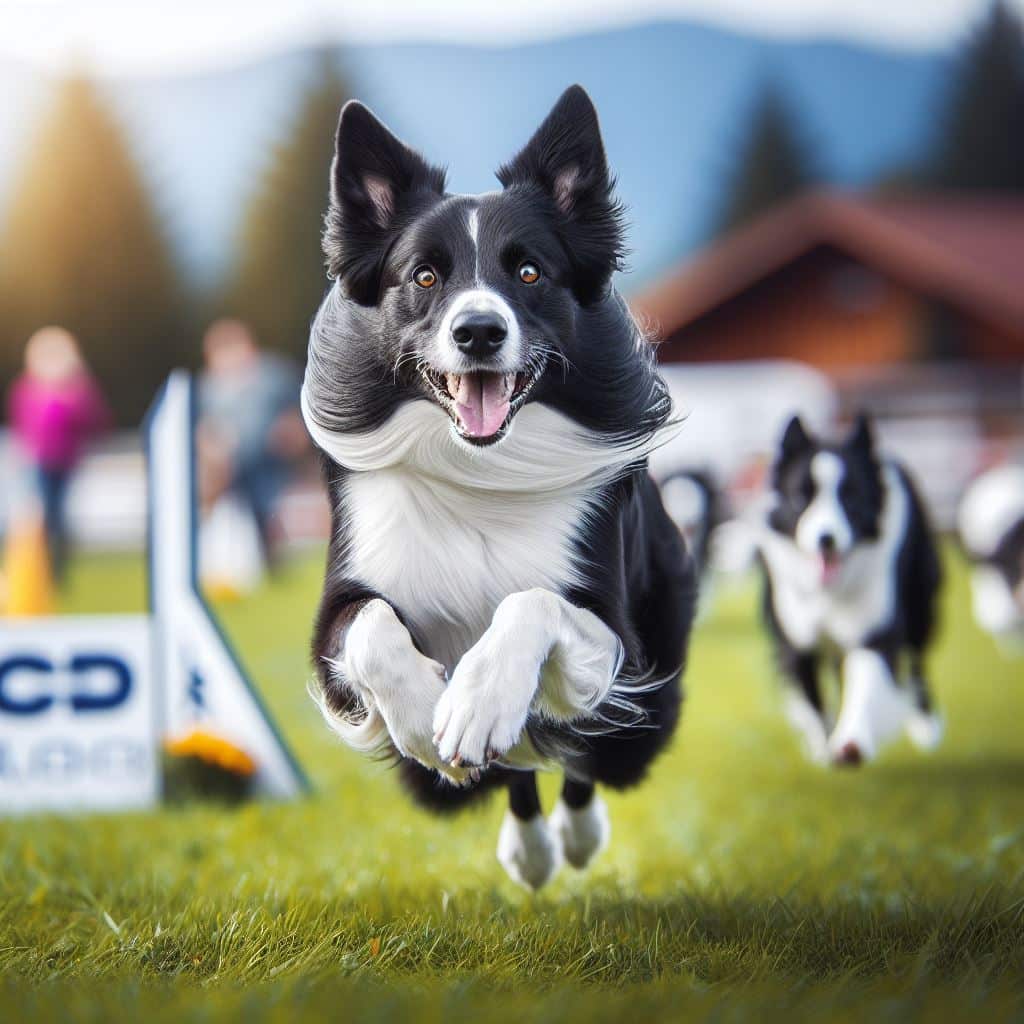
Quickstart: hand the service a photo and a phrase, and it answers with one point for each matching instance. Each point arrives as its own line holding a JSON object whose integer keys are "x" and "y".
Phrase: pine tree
{"x": 981, "y": 144}
{"x": 773, "y": 163}
{"x": 279, "y": 278}
{"x": 83, "y": 248}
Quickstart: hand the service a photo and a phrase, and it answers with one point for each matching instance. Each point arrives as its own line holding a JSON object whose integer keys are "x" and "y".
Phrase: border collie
{"x": 991, "y": 524}
{"x": 695, "y": 506}
{"x": 504, "y": 591}
{"x": 852, "y": 573}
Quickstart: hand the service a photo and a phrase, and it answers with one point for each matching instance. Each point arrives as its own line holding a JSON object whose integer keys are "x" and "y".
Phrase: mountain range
{"x": 675, "y": 100}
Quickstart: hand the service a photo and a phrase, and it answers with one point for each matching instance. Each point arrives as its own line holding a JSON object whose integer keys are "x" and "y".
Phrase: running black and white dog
{"x": 694, "y": 504}
{"x": 991, "y": 523}
{"x": 504, "y": 590}
{"x": 852, "y": 574}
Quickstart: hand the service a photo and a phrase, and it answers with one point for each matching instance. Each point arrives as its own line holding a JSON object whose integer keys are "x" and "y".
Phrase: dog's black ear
{"x": 862, "y": 437}
{"x": 795, "y": 439}
{"x": 376, "y": 183}
{"x": 565, "y": 160}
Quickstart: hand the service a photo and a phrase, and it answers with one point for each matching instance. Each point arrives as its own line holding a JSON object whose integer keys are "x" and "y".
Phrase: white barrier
{"x": 86, "y": 701}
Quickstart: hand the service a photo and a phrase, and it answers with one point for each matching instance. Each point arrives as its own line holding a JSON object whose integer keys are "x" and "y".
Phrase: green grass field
{"x": 742, "y": 883}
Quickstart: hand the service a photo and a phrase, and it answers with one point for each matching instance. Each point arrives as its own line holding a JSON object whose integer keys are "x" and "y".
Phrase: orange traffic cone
{"x": 29, "y": 582}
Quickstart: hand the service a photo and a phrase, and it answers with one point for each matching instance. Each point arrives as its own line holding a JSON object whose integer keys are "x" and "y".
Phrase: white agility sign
{"x": 78, "y": 715}
{"x": 201, "y": 679}
{"x": 86, "y": 701}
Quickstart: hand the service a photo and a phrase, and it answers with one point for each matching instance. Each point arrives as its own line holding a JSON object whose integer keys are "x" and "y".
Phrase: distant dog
{"x": 991, "y": 522}
{"x": 694, "y": 505}
{"x": 851, "y": 571}
{"x": 504, "y": 590}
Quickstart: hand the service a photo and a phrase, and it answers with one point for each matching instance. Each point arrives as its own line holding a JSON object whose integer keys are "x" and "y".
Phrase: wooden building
{"x": 847, "y": 283}
{"x": 912, "y": 306}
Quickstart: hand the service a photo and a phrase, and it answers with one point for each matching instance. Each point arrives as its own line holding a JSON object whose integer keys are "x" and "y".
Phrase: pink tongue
{"x": 482, "y": 403}
{"x": 829, "y": 569}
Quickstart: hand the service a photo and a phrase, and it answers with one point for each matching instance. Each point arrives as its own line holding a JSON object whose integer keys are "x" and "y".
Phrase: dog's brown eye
{"x": 425, "y": 276}
{"x": 528, "y": 273}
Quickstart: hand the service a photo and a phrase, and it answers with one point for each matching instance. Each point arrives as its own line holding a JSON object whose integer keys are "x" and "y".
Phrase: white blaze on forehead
{"x": 825, "y": 514}
{"x": 473, "y": 225}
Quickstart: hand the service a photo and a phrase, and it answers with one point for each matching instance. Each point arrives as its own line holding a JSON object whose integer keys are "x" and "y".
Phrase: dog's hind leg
{"x": 527, "y": 849}
{"x": 922, "y": 578}
{"x": 580, "y": 822}
{"x": 804, "y": 706}
{"x": 924, "y": 726}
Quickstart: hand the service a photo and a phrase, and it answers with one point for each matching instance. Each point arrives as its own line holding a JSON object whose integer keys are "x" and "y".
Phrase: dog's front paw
{"x": 873, "y": 711}
{"x": 403, "y": 684}
{"x": 411, "y": 724}
{"x": 482, "y": 713}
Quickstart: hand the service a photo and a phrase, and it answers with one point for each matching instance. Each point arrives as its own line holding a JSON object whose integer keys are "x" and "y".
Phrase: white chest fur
{"x": 860, "y": 602}
{"x": 446, "y": 531}
{"x": 446, "y": 556}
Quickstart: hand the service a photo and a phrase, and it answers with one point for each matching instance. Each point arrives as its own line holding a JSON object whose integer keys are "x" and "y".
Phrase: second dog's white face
{"x": 825, "y": 516}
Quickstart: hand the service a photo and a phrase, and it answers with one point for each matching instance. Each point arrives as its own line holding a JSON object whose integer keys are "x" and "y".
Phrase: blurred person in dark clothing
{"x": 250, "y": 430}
{"x": 55, "y": 409}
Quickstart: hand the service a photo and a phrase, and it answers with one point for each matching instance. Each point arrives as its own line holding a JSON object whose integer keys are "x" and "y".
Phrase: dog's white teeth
{"x": 453, "y": 381}
{"x": 508, "y": 383}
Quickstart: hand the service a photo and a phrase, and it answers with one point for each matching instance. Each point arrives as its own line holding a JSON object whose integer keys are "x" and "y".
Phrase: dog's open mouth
{"x": 481, "y": 403}
{"x": 830, "y": 565}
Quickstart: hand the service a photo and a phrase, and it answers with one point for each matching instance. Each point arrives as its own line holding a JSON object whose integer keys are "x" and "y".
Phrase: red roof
{"x": 968, "y": 250}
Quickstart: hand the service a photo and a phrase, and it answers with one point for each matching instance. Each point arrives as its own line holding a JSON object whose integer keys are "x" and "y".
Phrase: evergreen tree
{"x": 279, "y": 277}
{"x": 773, "y": 163}
{"x": 84, "y": 249}
{"x": 981, "y": 144}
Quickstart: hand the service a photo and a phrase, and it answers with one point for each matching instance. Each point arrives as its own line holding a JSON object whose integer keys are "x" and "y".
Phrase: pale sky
{"x": 140, "y": 36}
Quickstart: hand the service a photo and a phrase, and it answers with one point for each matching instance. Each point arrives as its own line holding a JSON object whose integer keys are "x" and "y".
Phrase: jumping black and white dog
{"x": 504, "y": 590}
{"x": 852, "y": 574}
{"x": 991, "y": 522}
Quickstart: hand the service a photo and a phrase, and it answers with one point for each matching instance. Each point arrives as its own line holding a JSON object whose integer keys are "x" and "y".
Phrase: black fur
{"x": 905, "y": 635}
{"x": 1007, "y": 558}
{"x": 389, "y": 214}
{"x": 861, "y": 489}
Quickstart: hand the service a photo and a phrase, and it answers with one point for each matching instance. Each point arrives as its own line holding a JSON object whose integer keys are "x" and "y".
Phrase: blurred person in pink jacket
{"x": 55, "y": 409}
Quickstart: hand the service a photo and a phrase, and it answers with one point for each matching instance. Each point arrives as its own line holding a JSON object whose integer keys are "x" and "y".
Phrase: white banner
{"x": 77, "y": 714}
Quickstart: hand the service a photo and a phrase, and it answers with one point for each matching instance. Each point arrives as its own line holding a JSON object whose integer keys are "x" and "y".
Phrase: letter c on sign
{"x": 32, "y": 705}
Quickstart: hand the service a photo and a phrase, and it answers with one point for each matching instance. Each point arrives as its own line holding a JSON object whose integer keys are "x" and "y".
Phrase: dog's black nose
{"x": 827, "y": 543}
{"x": 479, "y": 334}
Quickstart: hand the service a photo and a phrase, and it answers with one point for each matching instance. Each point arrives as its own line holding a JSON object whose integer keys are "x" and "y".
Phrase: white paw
{"x": 399, "y": 683}
{"x": 809, "y": 724}
{"x": 582, "y": 832}
{"x": 925, "y": 729}
{"x": 528, "y": 851}
{"x": 482, "y": 712}
{"x": 873, "y": 711}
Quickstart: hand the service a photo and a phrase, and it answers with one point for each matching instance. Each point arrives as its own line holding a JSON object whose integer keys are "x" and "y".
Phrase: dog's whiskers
{"x": 415, "y": 356}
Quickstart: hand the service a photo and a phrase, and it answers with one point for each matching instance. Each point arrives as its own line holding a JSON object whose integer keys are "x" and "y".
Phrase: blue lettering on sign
{"x": 122, "y": 676}
{"x": 195, "y": 690}
{"x": 25, "y": 663}
{"x": 83, "y": 698}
